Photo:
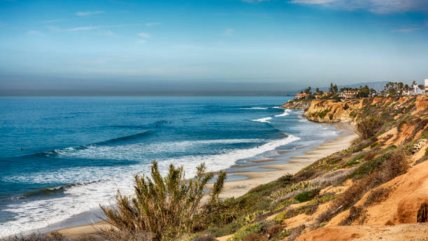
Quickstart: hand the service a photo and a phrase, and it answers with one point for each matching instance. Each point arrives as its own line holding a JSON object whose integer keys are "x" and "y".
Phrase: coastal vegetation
{"x": 164, "y": 208}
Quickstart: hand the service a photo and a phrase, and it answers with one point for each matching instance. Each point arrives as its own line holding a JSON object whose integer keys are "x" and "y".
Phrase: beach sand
{"x": 253, "y": 179}
{"x": 295, "y": 164}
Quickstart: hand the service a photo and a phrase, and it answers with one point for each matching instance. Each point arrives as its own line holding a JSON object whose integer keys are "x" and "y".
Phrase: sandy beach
{"x": 296, "y": 163}
{"x": 272, "y": 171}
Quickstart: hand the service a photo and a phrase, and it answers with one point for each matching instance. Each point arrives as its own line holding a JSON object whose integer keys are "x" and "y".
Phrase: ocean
{"x": 63, "y": 156}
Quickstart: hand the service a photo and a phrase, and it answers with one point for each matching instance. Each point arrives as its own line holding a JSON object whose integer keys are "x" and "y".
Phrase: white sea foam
{"x": 255, "y": 108}
{"x": 137, "y": 151}
{"x": 264, "y": 120}
{"x": 285, "y": 113}
{"x": 33, "y": 215}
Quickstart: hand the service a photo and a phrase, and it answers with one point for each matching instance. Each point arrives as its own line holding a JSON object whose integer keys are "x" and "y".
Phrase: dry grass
{"x": 422, "y": 216}
{"x": 296, "y": 232}
{"x": 376, "y": 196}
{"x": 354, "y": 214}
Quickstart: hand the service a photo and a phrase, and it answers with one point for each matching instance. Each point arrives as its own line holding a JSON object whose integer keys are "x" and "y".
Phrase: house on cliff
{"x": 301, "y": 96}
{"x": 426, "y": 86}
{"x": 415, "y": 90}
{"x": 348, "y": 94}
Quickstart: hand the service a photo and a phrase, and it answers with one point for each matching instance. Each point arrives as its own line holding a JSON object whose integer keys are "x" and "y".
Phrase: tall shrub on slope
{"x": 164, "y": 207}
{"x": 369, "y": 126}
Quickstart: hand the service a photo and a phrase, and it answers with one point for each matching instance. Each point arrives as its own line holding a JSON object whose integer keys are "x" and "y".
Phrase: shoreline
{"x": 293, "y": 165}
{"x": 272, "y": 171}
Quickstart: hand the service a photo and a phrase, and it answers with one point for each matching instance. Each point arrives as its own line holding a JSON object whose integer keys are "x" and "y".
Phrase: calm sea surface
{"x": 63, "y": 156}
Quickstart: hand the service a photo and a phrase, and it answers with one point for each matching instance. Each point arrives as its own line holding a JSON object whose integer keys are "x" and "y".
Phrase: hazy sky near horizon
{"x": 150, "y": 45}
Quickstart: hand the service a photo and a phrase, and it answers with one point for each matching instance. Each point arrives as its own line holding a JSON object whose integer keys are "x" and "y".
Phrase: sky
{"x": 109, "y": 47}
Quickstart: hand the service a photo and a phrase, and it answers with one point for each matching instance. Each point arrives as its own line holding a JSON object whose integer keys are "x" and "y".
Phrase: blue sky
{"x": 114, "y": 45}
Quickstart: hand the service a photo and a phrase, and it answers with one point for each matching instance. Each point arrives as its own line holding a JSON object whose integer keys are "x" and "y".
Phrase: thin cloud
{"x": 89, "y": 27}
{"x": 88, "y": 13}
{"x": 374, "y": 6}
{"x": 144, "y": 36}
{"x": 75, "y": 29}
{"x": 408, "y": 29}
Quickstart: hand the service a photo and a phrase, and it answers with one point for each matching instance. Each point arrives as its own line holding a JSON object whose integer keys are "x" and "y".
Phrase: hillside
{"x": 388, "y": 183}
{"x": 376, "y": 188}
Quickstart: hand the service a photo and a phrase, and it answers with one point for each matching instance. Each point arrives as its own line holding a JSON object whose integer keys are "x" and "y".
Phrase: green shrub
{"x": 425, "y": 134}
{"x": 306, "y": 196}
{"x": 355, "y": 160}
{"x": 323, "y": 113}
{"x": 369, "y": 166}
{"x": 369, "y": 126}
{"x": 326, "y": 197}
{"x": 247, "y": 230}
{"x": 164, "y": 207}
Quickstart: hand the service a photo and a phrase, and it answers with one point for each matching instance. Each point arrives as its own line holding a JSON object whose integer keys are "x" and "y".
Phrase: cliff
{"x": 387, "y": 194}
{"x": 377, "y": 188}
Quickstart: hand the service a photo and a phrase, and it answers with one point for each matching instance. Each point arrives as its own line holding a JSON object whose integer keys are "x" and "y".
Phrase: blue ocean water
{"x": 61, "y": 156}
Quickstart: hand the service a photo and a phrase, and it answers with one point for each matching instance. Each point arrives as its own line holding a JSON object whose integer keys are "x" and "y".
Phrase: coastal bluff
{"x": 333, "y": 111}
{"x": 394, "y": 208}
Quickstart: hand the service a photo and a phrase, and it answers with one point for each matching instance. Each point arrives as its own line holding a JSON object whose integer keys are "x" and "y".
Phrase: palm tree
{"x": 164, "y": 207}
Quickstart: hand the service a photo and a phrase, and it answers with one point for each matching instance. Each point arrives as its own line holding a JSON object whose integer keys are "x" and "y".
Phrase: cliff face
{"x": 376, "y": 206}
{"x": 297, "y": 104}
{"x": 329, "y": 111}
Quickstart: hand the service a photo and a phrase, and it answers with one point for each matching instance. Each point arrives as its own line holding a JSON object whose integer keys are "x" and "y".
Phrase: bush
{"x": 38, "y": 237}
{"x": 295, "y": 232}
{"x": 245, "y": 231}
{"x": 376, "y": 196}
{"x": 369, "y": 126}
{"x": 206, "y": 237}
{"x": 306, "y": 196}
{"x": 323, "y": 113}
{"x": 354, "y": 214}
{"x": 369, "y": 166}
{"x": 164, "y": 207}
{"x": 422, "y": 216}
